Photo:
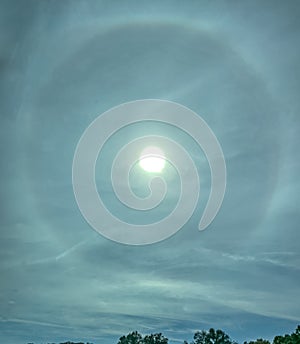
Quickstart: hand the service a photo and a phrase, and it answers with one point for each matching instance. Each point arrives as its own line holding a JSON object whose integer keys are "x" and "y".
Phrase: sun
{"x": 152, "y": 159}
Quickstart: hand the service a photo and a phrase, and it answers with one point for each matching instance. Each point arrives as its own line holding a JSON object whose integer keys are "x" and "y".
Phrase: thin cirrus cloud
{"x": 61, "y": 66}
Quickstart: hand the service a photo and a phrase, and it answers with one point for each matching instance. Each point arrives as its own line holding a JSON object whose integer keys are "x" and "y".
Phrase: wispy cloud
{"x": 225, "y": 62}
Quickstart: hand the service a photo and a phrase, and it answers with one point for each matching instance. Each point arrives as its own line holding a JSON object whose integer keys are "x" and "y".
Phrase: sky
{"x": 64, "y": 63}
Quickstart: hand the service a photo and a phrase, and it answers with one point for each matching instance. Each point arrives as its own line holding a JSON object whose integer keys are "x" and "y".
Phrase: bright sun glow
{"x": 152, "y": 159}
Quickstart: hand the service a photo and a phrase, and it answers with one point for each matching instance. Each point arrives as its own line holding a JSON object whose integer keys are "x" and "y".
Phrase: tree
{"x": 131, "y": 338}
{"x": 211, "y": 336}
{"x": 137, "y": 338}
{"x": 293, "y": 338}
{"x": 258, "y": 341}
{"x": 156, "y": 338}
{"x": 296, "y": 336}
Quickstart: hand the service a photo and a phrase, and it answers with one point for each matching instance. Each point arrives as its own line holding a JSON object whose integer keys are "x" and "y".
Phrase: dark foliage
{"x": 211, "y": 336}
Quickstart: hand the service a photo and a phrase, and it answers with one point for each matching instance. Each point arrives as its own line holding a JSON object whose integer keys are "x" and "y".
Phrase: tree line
{"x": 210, "y": 336}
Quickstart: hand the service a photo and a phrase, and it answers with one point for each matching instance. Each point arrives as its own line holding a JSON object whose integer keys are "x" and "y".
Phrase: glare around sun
{"x": 152, "y": 159}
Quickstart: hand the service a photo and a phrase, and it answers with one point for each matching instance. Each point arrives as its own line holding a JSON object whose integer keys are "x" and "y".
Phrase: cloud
{"x": 61, "y": 67}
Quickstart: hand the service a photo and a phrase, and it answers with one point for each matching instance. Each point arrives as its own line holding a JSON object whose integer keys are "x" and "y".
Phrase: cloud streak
{"x": 61, "y": 66}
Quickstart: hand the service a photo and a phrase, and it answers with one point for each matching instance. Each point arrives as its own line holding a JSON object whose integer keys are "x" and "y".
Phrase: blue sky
{"x": 62, "y": 64}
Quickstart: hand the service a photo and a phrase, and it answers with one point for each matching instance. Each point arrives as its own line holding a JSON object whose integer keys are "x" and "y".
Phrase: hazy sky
{"x": 62, "y": 64}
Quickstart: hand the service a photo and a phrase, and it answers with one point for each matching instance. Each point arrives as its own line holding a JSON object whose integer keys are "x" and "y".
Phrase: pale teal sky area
{"x": 62, "y": 64}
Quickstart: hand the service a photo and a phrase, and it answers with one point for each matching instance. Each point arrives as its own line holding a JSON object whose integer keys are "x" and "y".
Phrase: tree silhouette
{"x": 258, "y": 341}
{"x": 156, "y": 338}
{"x": 131, "y": 338}
{"x": 137, "y": 338}
{"x": 293, "y": 338}
{"x": 212, "y": 336}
